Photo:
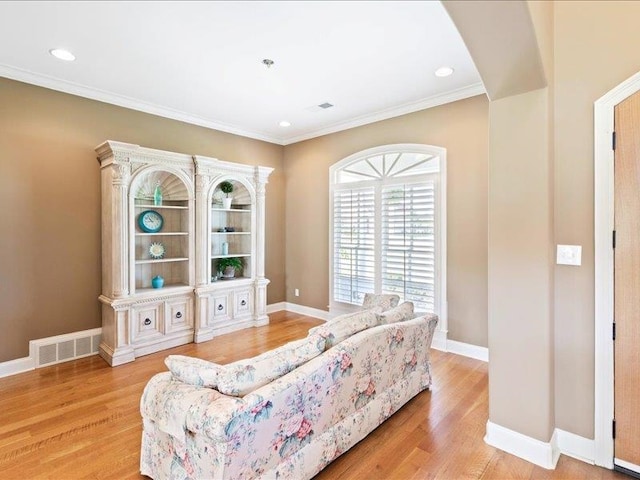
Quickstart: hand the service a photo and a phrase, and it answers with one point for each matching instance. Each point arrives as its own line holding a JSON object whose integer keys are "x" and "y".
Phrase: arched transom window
{"x": 387, "y": 226}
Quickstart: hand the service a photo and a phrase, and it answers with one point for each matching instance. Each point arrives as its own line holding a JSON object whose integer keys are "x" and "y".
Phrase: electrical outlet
{"x": 296, "y": 292}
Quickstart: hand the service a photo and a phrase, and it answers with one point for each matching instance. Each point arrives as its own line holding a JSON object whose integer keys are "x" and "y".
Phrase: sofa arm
{"x": 178, "y": 407}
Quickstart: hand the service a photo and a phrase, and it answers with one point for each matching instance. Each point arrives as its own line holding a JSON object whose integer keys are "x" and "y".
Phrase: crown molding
{"x": 429, "y": 102}
{"x": 72, "y": 88}
{"x": 65, "y": 86}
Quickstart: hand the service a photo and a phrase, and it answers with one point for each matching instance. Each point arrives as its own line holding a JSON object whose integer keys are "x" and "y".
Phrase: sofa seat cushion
{"x": 342, "y": 327}
{"x": 372, "y": 300}
{"x": 402, "y": 312}
{"x": 244, "y": 376}
{"x": 194, "y": 371}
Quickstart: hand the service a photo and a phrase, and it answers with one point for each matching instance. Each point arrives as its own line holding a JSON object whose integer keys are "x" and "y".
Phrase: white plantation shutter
{"x": 389, "y": 227}
{"x": 354, "y": 244}
{"x": 408, "y": 263}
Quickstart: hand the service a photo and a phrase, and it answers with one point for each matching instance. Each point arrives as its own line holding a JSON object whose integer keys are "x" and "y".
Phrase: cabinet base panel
{"x": 163, "y": 344}
{"x": 116, "y": 357}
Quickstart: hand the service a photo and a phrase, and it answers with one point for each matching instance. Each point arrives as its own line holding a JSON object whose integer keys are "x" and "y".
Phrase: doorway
{"x": 626, "y": 346}
{"x": 613, "y": 213}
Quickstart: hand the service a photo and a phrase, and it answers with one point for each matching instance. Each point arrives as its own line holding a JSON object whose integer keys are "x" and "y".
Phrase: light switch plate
{"x": 569, "y": 255}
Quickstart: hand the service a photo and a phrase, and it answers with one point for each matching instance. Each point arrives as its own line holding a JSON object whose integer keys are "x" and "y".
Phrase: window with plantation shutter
{"x": 354, "y": 244}
{"x": 408, "y": 243}
{"x": 386, "y": 222}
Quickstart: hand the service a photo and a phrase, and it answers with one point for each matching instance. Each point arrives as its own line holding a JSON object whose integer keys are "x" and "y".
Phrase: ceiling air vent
{"x": 325, "y": 105}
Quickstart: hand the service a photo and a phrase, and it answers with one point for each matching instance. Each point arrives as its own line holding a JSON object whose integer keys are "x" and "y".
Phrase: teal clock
{"x": 150, "y": 221}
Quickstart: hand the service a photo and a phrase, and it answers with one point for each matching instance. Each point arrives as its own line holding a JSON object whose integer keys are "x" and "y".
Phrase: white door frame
{"x": 603, "y": 230}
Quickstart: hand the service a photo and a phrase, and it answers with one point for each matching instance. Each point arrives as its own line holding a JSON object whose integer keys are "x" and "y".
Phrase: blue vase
{"x": 157, "y": 196}
{"x": 157, "y": 282}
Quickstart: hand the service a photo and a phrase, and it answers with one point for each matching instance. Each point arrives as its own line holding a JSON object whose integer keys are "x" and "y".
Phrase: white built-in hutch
{"x": 160, "y": 282}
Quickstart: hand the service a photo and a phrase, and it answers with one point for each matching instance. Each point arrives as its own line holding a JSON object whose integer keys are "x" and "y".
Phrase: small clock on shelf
{"x": 156, "y": 250}
{"x": 150, "y": 221}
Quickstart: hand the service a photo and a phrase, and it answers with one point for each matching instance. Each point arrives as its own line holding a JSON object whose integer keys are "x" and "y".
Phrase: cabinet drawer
{"x": 220, "y": 307}
{"x": 147, "y": 322}
{"x": 179, "y": 315}
{"x": 243, "y": 302}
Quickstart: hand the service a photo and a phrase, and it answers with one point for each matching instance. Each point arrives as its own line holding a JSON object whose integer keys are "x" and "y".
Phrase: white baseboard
{"x": 276, "y": 307}
{"x": 301, "y": 309}
{"x": 575, "y": 446}
{"x": 87, "y": 347}
{"x": 19, "y": 365}
{"x": 442, "y": 343}
{"x": 468, "y": 350}
{"x": 543, "y": 454}
{"x": 439, "y": 341}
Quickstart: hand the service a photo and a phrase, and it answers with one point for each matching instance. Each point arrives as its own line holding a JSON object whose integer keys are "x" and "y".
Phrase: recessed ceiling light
{"x": 444, "y": 72}
{"x": 62, "y": 54}
{"x": 284, "y": 123}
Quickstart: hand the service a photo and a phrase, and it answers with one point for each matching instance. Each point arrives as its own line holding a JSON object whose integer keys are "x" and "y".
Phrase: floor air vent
{"x": 62, "y": 348}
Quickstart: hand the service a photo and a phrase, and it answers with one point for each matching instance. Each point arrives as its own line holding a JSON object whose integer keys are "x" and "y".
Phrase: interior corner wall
{"x": 50, "y": 195}
{"x": 595, "y": 49}
{"x": 520, "y": 273}
{"x": 460, "y": 127}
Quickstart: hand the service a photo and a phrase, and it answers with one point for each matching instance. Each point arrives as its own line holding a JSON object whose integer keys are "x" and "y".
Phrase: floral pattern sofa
{"x": 291, "y": 411}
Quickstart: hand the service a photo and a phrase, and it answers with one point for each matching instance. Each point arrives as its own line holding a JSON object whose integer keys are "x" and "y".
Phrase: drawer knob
{"x": 147, "y": 321}
{"x": 179, "y": 315}
{"x": 243, "y": 303}
{"x": 220, "y": 307}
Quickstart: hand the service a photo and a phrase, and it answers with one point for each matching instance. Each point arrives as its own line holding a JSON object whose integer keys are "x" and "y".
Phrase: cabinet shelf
{"x": 157, "y": 207}
{"x": 232, "y": 255}
{"x": 161, "y": 234}
{"x": 165, "y": 289}
{"x": 230, "y": 233}
{"x": 162, "y": 260}
{"x": 234, "y": 210}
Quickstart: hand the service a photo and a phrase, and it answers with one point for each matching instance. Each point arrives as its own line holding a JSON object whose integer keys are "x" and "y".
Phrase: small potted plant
{"x": 227, "y": 189}
{"x": 228, "y": 266}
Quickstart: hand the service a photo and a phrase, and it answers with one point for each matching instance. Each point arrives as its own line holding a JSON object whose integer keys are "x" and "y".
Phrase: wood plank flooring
{"x": 81, "y": 420}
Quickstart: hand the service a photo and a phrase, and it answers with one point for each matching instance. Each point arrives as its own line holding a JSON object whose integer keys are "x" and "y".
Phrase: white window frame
{"x": 337, "y": 308}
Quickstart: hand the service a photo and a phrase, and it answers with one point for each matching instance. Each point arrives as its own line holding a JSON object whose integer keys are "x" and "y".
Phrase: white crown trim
{"x": 423, "y": 104}
{"x": 126, "y": 102}
{"x": 73, "y": 88}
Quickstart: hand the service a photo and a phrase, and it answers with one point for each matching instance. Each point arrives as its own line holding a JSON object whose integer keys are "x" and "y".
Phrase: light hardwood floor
{"x": 81, "y": 420}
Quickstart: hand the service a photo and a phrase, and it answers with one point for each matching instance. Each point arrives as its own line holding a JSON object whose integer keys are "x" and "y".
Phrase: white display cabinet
{"x": 160, "y": 284}
{"x": 225, "y": 304}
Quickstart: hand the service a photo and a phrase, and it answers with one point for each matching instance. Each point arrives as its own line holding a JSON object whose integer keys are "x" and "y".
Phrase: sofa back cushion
{"x": 244, "y": 376}
{"x": 372, "y": 300}
{"x": 194, "y": 371}
{"x": 402, "y": 312}
{"x": 343, "y": 326}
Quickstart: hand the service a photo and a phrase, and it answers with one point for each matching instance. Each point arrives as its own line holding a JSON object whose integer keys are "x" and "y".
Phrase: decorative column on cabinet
{"x": 148, "y": 268}
{"x": 226, "y": 303}
{"x": 261, "y": 179}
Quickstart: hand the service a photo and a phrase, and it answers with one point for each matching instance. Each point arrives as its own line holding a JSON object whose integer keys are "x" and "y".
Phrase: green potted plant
{"x": 227, "y": 189}
{"x": 228, "y": 266}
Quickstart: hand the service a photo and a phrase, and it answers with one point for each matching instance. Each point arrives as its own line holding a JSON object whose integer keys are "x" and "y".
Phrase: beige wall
{"x": 521, "y": 265}
{"x": 596, "y": 48}
{"x": 50, "y": 193}
{"x": 461, "y": 128}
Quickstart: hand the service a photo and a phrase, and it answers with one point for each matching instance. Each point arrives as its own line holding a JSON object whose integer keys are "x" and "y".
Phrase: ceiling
{"x": 201, "y": 62}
